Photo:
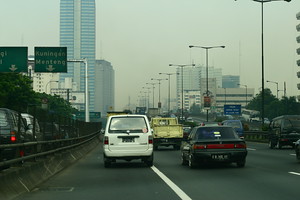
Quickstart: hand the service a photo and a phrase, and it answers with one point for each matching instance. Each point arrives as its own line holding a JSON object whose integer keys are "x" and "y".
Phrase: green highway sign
{"x": 50, "y": 59}
{"x": 13, "y": 59}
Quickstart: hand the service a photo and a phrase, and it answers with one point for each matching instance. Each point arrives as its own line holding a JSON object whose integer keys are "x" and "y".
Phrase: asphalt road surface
{"x": 268, "y": 174}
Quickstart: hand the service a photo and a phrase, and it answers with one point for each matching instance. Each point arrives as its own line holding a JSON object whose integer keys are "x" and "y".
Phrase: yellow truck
{"x": 166, "y": 132}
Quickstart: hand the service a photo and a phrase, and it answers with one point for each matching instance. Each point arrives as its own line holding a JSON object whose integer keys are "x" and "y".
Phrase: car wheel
{"x": 271, "y": 144}
{"x": 279, "y": 145}
{"x": 183, "y": 160}
{"x": 149, "y": 161}
{"x": 297, "y": 153}
{"x": 241, "y": 163}
{"x": 191, "y": 162}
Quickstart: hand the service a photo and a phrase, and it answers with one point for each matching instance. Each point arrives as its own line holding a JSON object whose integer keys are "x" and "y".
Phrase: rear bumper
{"x": 215, "y": 156}
{"x": 127, "y": 154}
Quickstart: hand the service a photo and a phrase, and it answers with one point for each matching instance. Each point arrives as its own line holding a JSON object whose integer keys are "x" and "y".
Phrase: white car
{"x": 127, "y": 137}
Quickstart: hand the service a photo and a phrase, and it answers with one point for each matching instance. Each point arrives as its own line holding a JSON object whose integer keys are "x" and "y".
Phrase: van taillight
{"x": 150, "y": 140}
{"x": 13, "y": 137}
{"x": 105, "y": 140}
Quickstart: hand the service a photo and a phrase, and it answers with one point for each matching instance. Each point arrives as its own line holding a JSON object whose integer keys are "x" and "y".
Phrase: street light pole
{"x": 206, "y": 49}
{"x": 262, "y": 56}
{"x": 46, "y": 89}
{"x": 159, "y": 80}
{"x": 246, "y": 93}
{"x": 276, "y": 86}
{"x": 152, "y": 91}
{"x": 169, "y": 92}
{"x": 181, "y": 66}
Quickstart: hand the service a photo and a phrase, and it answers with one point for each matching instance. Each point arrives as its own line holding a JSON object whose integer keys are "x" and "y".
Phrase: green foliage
{"x": 16, "y": 93}
{"x": 274, "y": 107}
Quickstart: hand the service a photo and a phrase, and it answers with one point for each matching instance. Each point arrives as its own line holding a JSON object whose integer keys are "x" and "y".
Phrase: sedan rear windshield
{"x": 128, "y": 124}
{"x": 215, "y": 133}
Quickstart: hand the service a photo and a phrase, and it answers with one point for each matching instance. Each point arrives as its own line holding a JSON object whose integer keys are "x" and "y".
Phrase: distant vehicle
{"x": 210, "y": 123}
{"x": 152, "y": 112}
{"x": 166, "y": 132}
{"x": 284, "y": 131}
{"x": 251, "y": 115}
{"x": 127, "y": 137}
{"x": 237, "y": 125}
{"x": 50, "y": 131}
{"x": 30, "y": 124}
{"x": 140, "y": 110}
{"x": 189, "y": 119}
{"x": 13, "y": 130}
{"x": 186, "y": 131}
{"x": 216, "y": 144}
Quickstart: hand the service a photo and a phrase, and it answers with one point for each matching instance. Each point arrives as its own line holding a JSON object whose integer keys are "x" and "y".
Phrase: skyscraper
{"x": 77, "y": 33}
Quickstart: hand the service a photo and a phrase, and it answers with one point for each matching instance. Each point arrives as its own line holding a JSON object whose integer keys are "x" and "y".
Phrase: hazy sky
{"x": 142, "y": 37}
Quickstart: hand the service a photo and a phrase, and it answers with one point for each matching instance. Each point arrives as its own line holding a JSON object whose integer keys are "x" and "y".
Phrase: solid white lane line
{"x": 172, "y": 185}
{"x": 293, "y": 154}
{"x": 295, "y": 173}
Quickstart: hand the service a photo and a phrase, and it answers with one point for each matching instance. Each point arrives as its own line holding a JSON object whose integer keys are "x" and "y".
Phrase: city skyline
{"x": 141, "y": 38}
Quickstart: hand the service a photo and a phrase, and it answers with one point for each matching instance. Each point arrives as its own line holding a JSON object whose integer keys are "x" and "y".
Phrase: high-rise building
{"x": 194, "y": 84}
{"x": 230, "y": 81}
{"x": 77, "y": 33}
{"x": 104, "y": 87}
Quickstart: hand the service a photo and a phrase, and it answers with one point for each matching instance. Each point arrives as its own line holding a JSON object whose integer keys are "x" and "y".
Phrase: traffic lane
{"x": 88, "y": 179}
{"x": 258, "y": 180}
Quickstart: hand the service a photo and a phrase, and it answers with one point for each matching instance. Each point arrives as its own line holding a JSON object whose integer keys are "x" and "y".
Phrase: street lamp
{"x": 181, "y": 66}
{"x": 262, "y": 55}
{"x": 159, "y": 80}
{"x": 153, "y": 90}
{"x": 50, "y": 88}
{"x": 206, "y": 48}
{"x": 246, "y": 93}
{"x": 276, "y": 85}
{"x": 169, "y": 93}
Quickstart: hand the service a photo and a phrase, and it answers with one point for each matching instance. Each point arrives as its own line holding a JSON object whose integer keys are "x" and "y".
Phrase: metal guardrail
{"x": 261, "y": 136}
{"x": 47, "y": 147}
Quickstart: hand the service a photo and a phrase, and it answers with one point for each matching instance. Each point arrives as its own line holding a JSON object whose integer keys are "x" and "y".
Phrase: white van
{"x": 128, "y": 137}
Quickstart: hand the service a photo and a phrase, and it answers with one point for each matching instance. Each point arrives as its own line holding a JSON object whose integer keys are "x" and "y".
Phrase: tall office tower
{"x": 77, "y": 33}
{"x": 104, "y": 87}
{"x": 230, "y": 81}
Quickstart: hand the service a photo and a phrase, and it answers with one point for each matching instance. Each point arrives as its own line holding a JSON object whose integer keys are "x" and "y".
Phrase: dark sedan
{"x": 213, "y": 144}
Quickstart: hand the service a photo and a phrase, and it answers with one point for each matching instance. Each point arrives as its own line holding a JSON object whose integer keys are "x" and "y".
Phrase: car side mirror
{"x": 102, "y": 131}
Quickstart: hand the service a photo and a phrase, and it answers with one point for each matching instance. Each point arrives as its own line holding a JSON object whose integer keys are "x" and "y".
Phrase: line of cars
{"x": 129, "y": 137}
{"x": 17, "y": 128}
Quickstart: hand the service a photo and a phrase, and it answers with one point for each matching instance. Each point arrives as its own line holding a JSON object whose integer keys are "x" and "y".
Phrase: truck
{"x": 152, "y": 112}
{"x": 166, "y": 132}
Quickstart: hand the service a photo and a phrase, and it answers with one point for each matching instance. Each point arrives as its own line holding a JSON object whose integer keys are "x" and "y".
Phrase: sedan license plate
{"x": 127, "y": 139}
{"x": 219, "y": 156}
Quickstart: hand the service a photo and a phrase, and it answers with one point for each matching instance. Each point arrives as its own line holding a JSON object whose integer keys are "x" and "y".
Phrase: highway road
{"x": 268, "y": 174}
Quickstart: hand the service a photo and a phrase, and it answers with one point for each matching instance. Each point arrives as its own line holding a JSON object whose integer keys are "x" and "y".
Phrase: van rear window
{"x": 132, "y": 124}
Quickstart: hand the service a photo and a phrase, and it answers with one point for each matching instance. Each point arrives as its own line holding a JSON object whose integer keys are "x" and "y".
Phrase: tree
{"x": 15, "y": 91}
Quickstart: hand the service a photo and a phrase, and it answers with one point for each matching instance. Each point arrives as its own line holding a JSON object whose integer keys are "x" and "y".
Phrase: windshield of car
{"x": 132, "y": 124}
{"x": 234, "y": 124}
{"x": 292, "y": 123}
{"x": 215, "y": 133}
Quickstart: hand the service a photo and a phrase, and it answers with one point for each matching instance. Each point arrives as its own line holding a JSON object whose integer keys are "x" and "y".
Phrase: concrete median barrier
{"x": 17, "y": 180}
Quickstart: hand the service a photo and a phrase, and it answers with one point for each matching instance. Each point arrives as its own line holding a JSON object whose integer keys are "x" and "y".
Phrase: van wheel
{"x": 149, "y": 161}
{"x": 107, "y": 162}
